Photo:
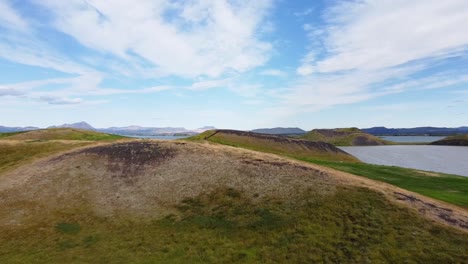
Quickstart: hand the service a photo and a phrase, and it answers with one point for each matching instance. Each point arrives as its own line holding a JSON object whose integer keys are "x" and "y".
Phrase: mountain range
{"x": 126, "y": 131}
{"x": 416, "y": 131}
{"x": 152, "y": 131}
{"x": 280, "y": 131}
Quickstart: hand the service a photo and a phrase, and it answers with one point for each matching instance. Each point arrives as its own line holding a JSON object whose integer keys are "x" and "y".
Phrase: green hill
{"x": 180, "y": 202}
{"x": 60, "y": 134}
{"x": 458, "y": 140}
{"x": 291, "y": 147}
{"x": 344, "y": 137}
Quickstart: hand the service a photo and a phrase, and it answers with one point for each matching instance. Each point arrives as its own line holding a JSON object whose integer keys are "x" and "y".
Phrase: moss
{"x": 353, "y": 225}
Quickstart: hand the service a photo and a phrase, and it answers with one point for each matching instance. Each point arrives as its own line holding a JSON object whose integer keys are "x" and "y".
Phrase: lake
{"x": 446, "y": 159}
{"x": 408, "y": 139}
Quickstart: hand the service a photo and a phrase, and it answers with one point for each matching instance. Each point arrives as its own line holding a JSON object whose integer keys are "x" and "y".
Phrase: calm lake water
{"x": 411, "y": 138}
{"x": 446, "y": 159}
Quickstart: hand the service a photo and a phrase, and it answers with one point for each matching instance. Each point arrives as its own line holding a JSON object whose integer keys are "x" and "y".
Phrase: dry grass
{"x": 61, "y": 134}
{"x": 177, "y": 202}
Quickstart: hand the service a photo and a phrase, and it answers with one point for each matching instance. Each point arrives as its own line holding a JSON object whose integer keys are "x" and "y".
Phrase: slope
{"x": 180, "y": 202}
{"x": 458, "y": 140}
{"x": 286, "y": 146}
{"x": 62, "y": 134}
{"x": 344, "y": 137}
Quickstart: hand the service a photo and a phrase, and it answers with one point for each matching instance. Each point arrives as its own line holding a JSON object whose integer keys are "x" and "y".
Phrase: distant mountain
{"x": 280, "y": 131}
{"x": 434, "y": 131}
{"x": 153, "y": 131}
{"x": 4, "y": 129}
{"x": 79, "y": 125}
{"x": 203, "y": 129}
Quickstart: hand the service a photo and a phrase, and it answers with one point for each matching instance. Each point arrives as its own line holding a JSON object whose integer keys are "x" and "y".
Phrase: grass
{"x": 15, "y": 154}
{"x": 293, "y": 150}
{"x": 63, "y": 134}
{"x": 7, "y": 134}
{"x": 449, "y": 188}
{"x": 353, "y": 225}
{"x": 344, "y": 137}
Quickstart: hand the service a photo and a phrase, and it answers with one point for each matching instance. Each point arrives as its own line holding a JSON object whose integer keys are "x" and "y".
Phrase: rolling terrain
{"x": 280, "y": 131}
{"x": 458, "y": 140}
{"x": 145, "y": 201}
{"x": 286, "y": 146}
{"x": 60, "y": 134}
{"x": 449, "y": 188}
{"x": 344, "y": 137}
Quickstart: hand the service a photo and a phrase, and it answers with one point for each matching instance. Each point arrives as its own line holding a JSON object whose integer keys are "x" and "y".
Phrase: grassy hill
{"x": 449, "y": 188}
{"x": 60, "y": 134}
{"x": 181, "y": 202}
{"x": 19, "y": 148}
{"x": 344, "y": 137}
{"x": 458, "y": 140}
{"x": 286, "y": 146}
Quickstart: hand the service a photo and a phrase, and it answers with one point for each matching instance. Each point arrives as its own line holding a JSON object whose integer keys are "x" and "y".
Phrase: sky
{"x": 233, "y": 63}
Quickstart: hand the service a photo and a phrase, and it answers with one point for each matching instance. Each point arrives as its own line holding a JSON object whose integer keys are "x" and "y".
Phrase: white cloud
{"x": 10, "y": 19}
{"x": 373, "y": 48}
{"x": 199, "y": 38}
{"x": 205, "y": 85}
{"x": 371, "y": 35}
{"x": 60, "y": 100}
{"x": 273, "y": 72}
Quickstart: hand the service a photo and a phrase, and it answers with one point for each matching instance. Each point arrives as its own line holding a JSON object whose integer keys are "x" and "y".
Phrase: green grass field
{"x": 225, "y": 226}
{"x": 449, "y": 188}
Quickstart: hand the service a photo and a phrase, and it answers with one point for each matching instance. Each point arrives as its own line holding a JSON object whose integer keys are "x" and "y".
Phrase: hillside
{"x": 287, "y": 146}
{"x": 344, "y": 137}
{"x": 280, "y": 131}
{"x": 416, "y": 131}
{"x": 459, "y": 140}
{"x": 4, "y": 129}
{"x": 60, "y": 134}
{"x": 181, "y": 202}
{"x": 80, "y": 125}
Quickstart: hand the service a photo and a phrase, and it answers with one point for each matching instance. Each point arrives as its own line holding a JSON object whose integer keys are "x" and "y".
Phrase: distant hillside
{"x": 280, "y": 131}
{"x": 153, "y": 131}
{"x": 459, "y": 140}
{"x": 79, "y": 125}
{"x": 432, "y": 131}
{"x": 61, "y": 134}
{"x": 344, "y": 137}
{"x": 297, "y": 148}
{"x": 4, "y": 129}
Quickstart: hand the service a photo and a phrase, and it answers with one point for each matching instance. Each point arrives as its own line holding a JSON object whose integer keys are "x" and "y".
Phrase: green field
{"x": 225, "y": 226}
{"x": 449, "y": 188}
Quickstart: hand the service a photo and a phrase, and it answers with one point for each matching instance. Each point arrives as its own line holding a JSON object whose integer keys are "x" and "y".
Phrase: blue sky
{"x": 234, "y": 64}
